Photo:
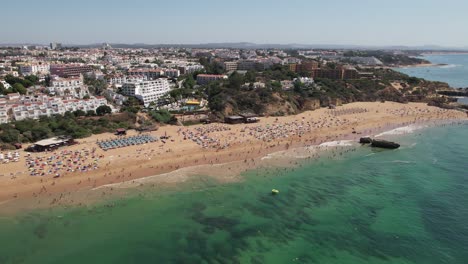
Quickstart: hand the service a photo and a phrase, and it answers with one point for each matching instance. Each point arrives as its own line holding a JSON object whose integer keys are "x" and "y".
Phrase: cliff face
{"x": 311, "y": 104}
{"x": 386, "y": 85}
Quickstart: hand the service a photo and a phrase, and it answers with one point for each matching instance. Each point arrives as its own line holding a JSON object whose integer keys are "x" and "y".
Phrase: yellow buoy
{"x": 274, "y": 191}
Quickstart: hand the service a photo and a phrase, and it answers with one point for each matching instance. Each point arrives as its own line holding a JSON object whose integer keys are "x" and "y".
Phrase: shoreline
{"x": 444, "y": 53}
{"x": 224, "y": 166}
{"x": 422, "y": 65}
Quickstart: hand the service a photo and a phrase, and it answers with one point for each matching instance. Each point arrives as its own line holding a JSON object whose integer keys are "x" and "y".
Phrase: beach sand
{"x": 228, "y": 151}
{"x": 421, "y": 65}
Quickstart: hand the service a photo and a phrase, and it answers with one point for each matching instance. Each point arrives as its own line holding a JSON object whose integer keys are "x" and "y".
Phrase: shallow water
{"x": 355, "y": 205}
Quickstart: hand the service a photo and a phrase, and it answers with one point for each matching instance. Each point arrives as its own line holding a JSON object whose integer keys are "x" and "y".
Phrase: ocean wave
{"x": 403, "y": 161}
{"x": 339, "y": 143}
{"x": 296, "y": 153}
{"x": 307, "y": 152}
{"x": 273, "y": 155}
{"x": 401, "y": 130}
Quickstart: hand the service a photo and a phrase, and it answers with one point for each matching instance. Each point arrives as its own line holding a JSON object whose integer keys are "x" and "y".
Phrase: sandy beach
{"x": 220, "y": 151}
{"x": 421, "y": 65}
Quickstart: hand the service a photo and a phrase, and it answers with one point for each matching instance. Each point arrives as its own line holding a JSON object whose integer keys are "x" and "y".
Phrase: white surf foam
{"x": 403, "y": 161}
{"x": 401, "y": 130}
{"x": 339, "y": 143}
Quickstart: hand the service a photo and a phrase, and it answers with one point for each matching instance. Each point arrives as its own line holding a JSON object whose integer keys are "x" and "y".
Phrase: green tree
{"x": 19, "y": 88}
{"x": 250, "y": 76}
{"x": 13, "y": 80}
{"x": 103, "y": 110}
{"x": 9, "y": 135}
{"x": 235, "y": 81}
{"x": 79, "y": 113}
{"x": 47, "y": 80}
{"x": 189, "y": 82}
{"x": 32, "y": 78}
{"x": 163, "y": 116}
{"x": 3, "y": 90}
{"x": 96, "y": 87}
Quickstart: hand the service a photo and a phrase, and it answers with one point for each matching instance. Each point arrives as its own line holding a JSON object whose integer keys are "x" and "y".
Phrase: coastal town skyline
{"x": 415, "y": 23}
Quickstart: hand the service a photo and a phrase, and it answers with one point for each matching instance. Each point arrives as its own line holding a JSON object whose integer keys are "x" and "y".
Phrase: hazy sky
{"x": 362, "y": 22}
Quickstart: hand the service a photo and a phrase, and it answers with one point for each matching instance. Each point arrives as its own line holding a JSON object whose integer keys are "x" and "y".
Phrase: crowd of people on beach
{"x": 214, "y": 135}
{"x": 9, "y": 157}
{"x": 348, "y": 111}
{"x": 268, "y": 133}
{"x": 299, "y": 136}
{"x": 204, "y": 135}
{"x": 64, "y": 161}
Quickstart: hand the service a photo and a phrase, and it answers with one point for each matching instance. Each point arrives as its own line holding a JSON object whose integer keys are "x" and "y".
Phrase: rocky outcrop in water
{"x": 377, "y": 143}
{"x": 365, "y": 140}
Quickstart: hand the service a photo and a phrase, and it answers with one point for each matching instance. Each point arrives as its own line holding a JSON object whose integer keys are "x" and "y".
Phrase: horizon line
{"x": 241, "y": 43}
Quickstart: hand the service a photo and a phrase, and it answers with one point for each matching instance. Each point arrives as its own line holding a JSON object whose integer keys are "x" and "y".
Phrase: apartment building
{"x": 334, "y": 74}
{"x": 70, "y": 70}
{"x": 53, "y": 106}
{"x": 147, "y": 91}
{"x": 207, "y": 78}
{"x": 350, "y": 73}
{"x": 230, "y": 66}
{"x": 55, "y": 45}
{"x": 189, "y": 69}
{"x": 68, "y": 87}
{"x": 307, "y": 66}
{"x": 172, "y": 73}
{"x": 36, "y": 69}
{"x": 311, "y": 69}
{"x": 151, "y": 74}
{"x": 247, "y": 65}
{"x": 121, "y": 79}
{"x": 3, "y": 114}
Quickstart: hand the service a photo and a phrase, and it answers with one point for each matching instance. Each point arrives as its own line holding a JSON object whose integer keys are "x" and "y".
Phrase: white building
{"x": 68, "y": 86}
{"x": 172, "y": 73}
{"x": 304, "y": 80}
{"x": 30, "y": 69}
{"x": 255, "y": 85}
{"x": 149, "y": 73}
{"x": 207, "y": 78}
{"x": 189, "y": 69}
{"x": 5, "y": 84}
{"x": 54, "y": 106}
{"x": 147, "y": 91}
{"x": 121, "y": 79}
{"x": 3, "y": 114}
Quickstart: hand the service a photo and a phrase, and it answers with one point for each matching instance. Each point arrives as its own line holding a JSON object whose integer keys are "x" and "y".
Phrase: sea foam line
{"x": 131, "y": 183}
{"x": 338, "y": 143}
{"x": 308, "y": 151}
{"x": 401, "y": 130}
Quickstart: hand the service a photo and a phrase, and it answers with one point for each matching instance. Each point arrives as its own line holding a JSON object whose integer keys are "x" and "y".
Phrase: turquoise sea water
{"x": 354, "y": 205}
{"x": 455, "y": 73}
